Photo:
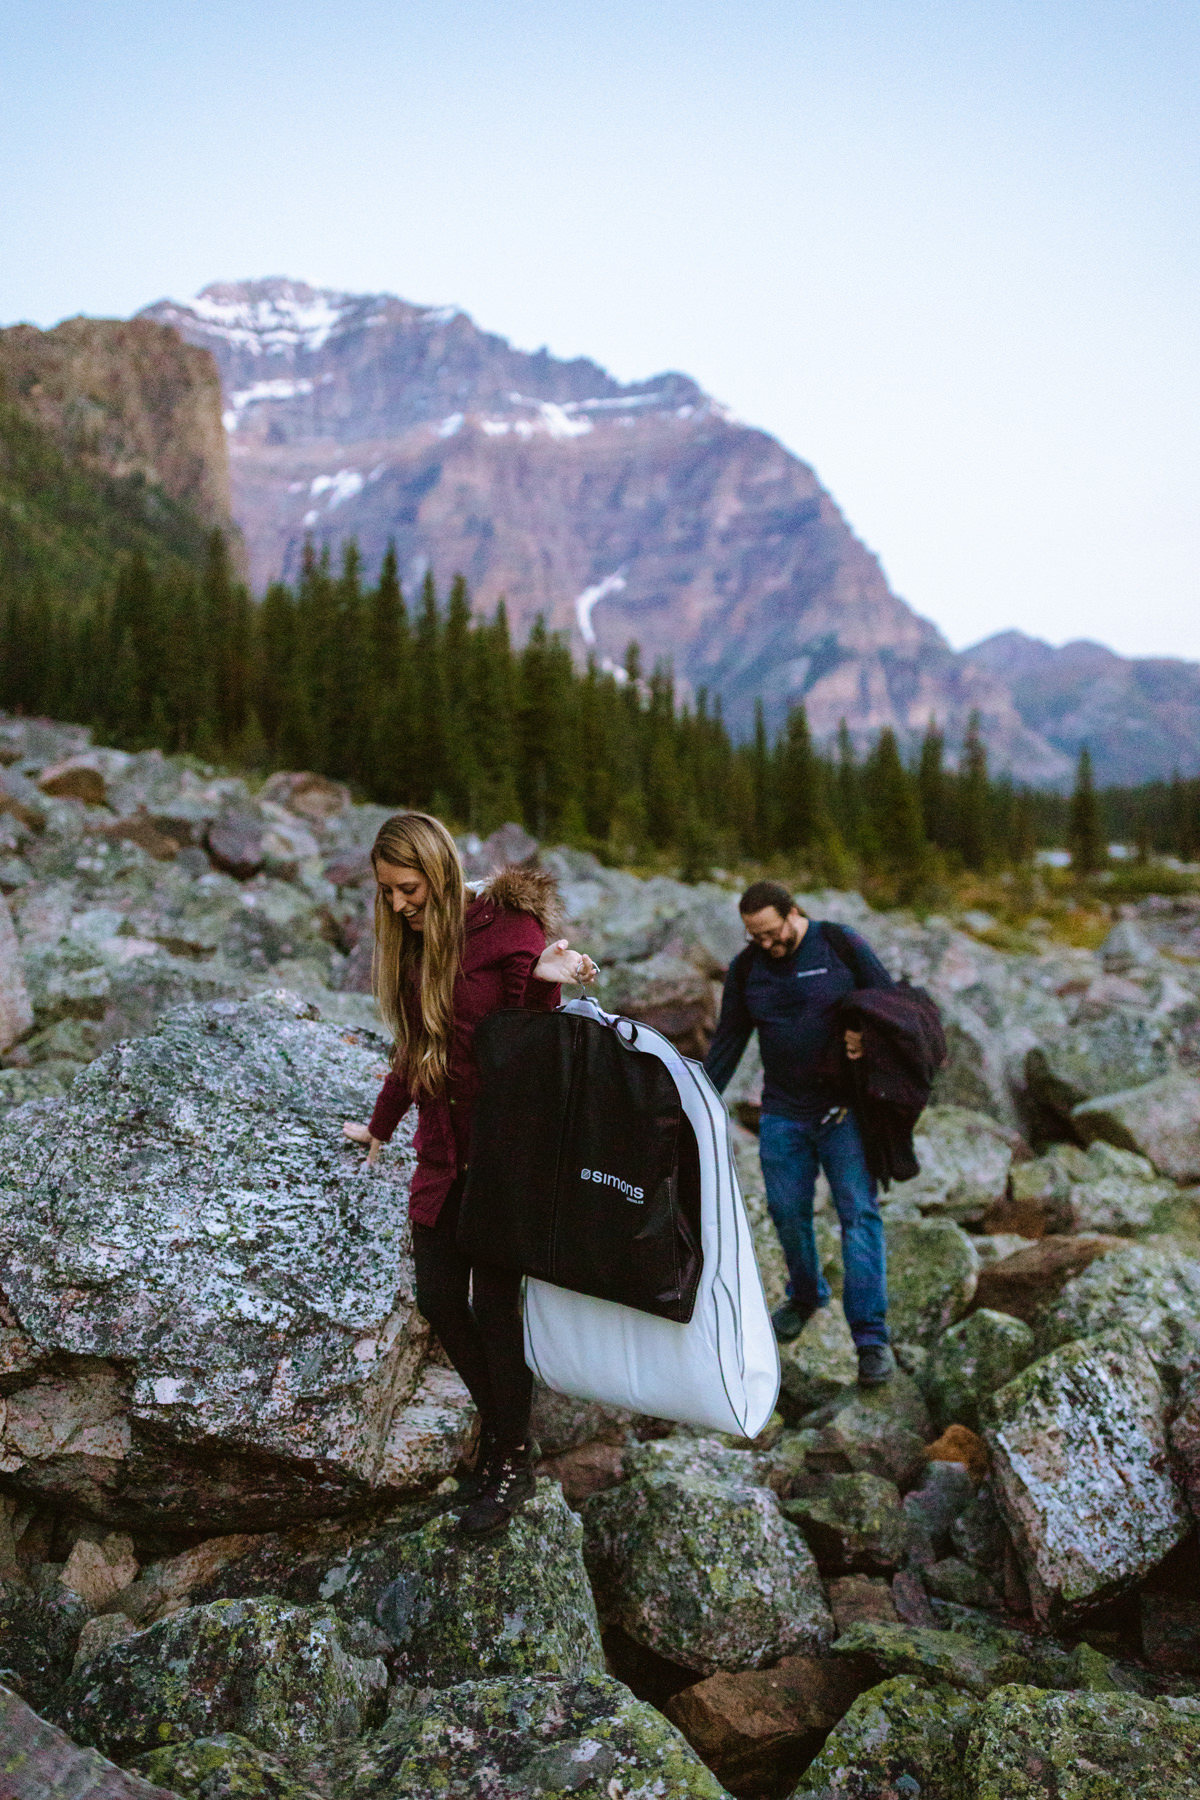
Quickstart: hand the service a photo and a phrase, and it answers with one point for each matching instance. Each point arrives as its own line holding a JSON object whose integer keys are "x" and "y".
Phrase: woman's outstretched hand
{"x": 358, "y": 1134}
{"x": 558, "y": 962}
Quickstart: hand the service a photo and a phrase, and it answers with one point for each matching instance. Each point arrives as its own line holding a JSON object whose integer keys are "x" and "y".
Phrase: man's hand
{"x": 854, "y": 1047}
{"x": 359, "y": 1134}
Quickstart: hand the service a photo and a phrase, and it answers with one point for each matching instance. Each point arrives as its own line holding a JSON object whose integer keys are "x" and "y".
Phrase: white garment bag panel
{"x": 721, "y": 1369}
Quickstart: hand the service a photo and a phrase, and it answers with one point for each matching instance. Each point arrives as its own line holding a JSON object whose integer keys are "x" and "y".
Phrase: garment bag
{"x": 719, "y": 1368}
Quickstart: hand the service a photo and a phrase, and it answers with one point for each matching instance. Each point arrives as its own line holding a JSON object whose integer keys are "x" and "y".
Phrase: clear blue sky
{"x": 946, "y": 252}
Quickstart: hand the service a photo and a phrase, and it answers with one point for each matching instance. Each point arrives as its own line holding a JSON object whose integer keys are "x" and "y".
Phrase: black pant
{"x": 476, "y": 1312}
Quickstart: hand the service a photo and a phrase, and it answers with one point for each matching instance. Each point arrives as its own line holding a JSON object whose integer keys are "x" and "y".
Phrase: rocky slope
{"x": 226, "y": 1560}
{"x": 1139, "y": 716}
{"x": 641, "y": 511}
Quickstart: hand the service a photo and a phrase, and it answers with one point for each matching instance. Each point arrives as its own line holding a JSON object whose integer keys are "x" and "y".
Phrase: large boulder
{"x": 455, "y": 1609}
{"x": 16, "y": 1013}
{"x": 965, "y": 1159}
{"x": 1160, "y": 1120}
{"x": 1080, "y": 1465}
{"x": 900, "y": 1738}
{"x": 212, "y": 1301}
{"x": 39, "y": 1762}
{"x": 1121, "y": 1047}
{"x": 755, "y": 1727}
{"x": 851, "y": 1522}
{"x": 1027, "y": 1744}
{"x": 39, "y": 1632}
{"x": 516, "y": 1739}
{"x": 876, "y": 1431}
{"x": 222, "y": 1767}
{"x": 695, "y": 1561}
{"x": 933, "y": 1268}
{"x": 286, "y": 1677}
{"x": 970, "y": 1361}
{"x": 1150, "y": 1289}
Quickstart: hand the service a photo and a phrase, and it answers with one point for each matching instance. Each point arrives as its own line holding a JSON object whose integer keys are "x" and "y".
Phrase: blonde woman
{"x": 444, "y": 961}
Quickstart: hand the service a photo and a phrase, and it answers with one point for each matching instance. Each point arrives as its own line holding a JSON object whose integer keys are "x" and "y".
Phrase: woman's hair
{"x": 431, "y": 958}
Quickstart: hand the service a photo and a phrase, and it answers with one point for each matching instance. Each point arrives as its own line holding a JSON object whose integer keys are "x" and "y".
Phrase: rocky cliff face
{"x": 126, "y": 397}
{"x": 1139, "y": 716}
{"x": 642, "y": 511}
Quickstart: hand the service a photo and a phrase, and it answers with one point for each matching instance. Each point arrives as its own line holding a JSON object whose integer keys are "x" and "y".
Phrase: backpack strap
{"x": 845, "y": 949}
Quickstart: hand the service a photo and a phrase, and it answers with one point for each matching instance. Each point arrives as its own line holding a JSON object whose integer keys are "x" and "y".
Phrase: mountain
{"x": 619, "y": 511}
{"x": 110, "y": 440}
{"x": 1139, "y": 716}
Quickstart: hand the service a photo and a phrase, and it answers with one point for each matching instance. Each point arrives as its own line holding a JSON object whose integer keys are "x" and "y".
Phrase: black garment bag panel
{"x": 584, "y": 1170}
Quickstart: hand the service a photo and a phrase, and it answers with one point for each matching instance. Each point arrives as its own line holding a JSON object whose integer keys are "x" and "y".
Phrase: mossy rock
{"x": 460, "y": 1609}
{"x": 1031, "y": 1745}
{"x": 972, "y": 1360}
{"x": 38, "y": 1636}
{"x": 901, "y": 1740}
{"x": 974, "y": 1665}
{"x": 284, "y": 1676}
{"x": 855, "y": 1522}
{"x": 225, "y": 1767}
{"x": 1149, "y": 1289}
{"x": 932, "y": 1271}
{"x": 695, "y": 1562}
{"x": 514, "y": 1740}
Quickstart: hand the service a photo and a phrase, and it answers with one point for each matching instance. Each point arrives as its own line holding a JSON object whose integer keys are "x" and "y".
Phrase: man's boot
{"x": 790, "y": 1319}
{"x": 876, "y": 1365}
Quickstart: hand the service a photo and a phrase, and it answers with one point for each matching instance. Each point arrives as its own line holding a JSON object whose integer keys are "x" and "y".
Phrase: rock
{"x": 876, "y": 1431}
{"x": 507, "y": 844}
{"x": 16, "y": 1013}
{"x": 970, "y": 1361}
{"x": 932, "y": 1271}
{"x": 1150, "y": 1289}
{"x": 224, "y": 1767}
{"x": 235, "y": 843}
{"x": 820, "y": 1365}
{"x": 1126, "y": 947}
{"x": 911, "y": 1601}
{"x": 694, "y": 1561}
{"x": 165, "y": 1587}
{"x": 283, "y": 1676}
{"x": 559, "y": 1422}
{"x": 855, "y": 1597}
{"x": 1160, "y": 1120}
{"x": 668, "y": 993}
{"x": 965, "y": 1159}
{"x": 38, "y": 1635}
{"x": 852, "y": 1522}
{"x": 959, "y": 1444}
{"x": 588, "y": 1470}
{"x": 1185, "y": 1438}
{"x": 931, "y": 1509}
{"x": 99, "y": 1632}
{"x": 39, "y": 1762}
{"x": 235, "y": 1290}
{"x": 755, "y": 1728}
{"x": 1038, "y": 1199}
{"x": 900, "y": 1739}
{"x": 512, "y": 1740}
{"x": 1024, "y": 1284}
{"x": 1079, "y": 1461}
{"x": 313, "y": 797}
{"x": 287, "y": 846}
{"x": 980, "y": 1536}
{"x": 1171, "y": 1632}
{"x": 956, "y": 1580}
{"x": 1121, "y": 1048}
{"x": 77, "y": 778}
{"x": 975, "y": 1665}
{"x": 97, "y": 1569}
{"x": 20, "y": 801}
{"x": 142, "y": 831}
{"x": 1031, "y": 1745}
{"x": 1119, "y": 1192}
{"x": 456, "y": 1610}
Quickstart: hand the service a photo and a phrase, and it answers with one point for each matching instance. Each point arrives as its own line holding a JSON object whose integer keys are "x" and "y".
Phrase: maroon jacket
{"x": 506, "y": 931}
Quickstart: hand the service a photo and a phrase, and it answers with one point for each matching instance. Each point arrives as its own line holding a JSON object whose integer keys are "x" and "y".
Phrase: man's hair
{"x": 768, "y": 893}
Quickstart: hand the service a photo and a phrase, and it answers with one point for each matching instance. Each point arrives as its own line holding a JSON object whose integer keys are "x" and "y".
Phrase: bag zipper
{"x": 576, "y": 1027}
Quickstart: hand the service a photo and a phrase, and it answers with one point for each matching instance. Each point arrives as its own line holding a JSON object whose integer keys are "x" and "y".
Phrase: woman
{"x": 443, "y": 961}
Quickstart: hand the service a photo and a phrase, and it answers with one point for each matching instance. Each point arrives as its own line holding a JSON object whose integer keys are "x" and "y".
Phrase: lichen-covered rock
{"x": 975, "y": 1664}
{"x": 879, "y": 1431}
{"x": 696, "y": 1562}
{"x": 819, "y": 1365}
{"x": 901, "y": 1740}
{"x": 1118, "y": 1191}
{"x": 970, "y": 1361}
{"x": 1030, "y": 1745}
{"x": 851, "y": 1522}
{"x": 932, "y": 1271}
{"x": 513, "y": 1740}
{"x": 214, "y": 1300}
{"x": 1080, "y": 1466}
{"x": 1150, "y": 1290}
{"x": 16, "y": 1014}
{"x": 286, "y": 1677}
{"x": 459, "y": 1609}
{"x": 965, "y": 1159}
{"x": 1121, "y": 1047}
{"x": 931, "y": 1509}
{"x": 224, "y": 1767}
{"x": 38, "y": 1762}
{"x": 39, "y": 1633}
{"x": 1158, "y": 1119}
{"x": 753, "y": 1727}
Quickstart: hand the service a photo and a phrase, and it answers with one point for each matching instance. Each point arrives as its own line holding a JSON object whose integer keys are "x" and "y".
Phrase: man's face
{"x": 776, "y": 935}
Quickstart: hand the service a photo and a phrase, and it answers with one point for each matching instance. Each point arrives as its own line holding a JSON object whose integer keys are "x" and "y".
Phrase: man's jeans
{"x": 791, "y": 1154}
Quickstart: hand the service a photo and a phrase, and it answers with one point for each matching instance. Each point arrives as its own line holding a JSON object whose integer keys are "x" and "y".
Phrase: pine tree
{"x": 974, "y": 801}
{"x": 931, "y": 785}
{"x": 802, "y": 821}
{"x": 1083, "y": 826}
{"x": 895, "y": 815}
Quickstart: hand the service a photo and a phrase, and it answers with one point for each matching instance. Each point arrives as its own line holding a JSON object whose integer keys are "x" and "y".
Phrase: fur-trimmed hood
{"x": 522, "y": 887}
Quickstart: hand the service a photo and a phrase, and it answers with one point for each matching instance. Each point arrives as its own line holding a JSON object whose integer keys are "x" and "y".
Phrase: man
{"x": 786, "y": 985}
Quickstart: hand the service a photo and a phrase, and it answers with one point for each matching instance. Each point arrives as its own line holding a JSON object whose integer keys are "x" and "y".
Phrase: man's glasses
{"x": 767, "y": 938}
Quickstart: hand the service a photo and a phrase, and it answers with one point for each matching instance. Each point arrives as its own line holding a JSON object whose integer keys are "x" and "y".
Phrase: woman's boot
{"x": 512, "y": 1482}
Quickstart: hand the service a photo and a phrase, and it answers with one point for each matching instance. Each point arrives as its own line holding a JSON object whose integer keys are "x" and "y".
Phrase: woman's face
{"x": 405, "y": 891}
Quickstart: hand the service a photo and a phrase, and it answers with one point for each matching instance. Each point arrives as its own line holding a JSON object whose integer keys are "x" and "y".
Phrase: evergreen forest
{"x": 416, "y": 700}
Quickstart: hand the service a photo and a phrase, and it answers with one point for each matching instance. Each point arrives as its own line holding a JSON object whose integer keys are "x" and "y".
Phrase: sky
{"x": 947, "y": 253}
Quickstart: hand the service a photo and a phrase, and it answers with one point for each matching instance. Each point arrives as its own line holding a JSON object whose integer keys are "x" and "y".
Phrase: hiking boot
{"x": 510, "y": 1484}
{"x": 790, "y": 1319}
{"x": 876, "y": 1364}
{"x": 473, "y": 1480}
